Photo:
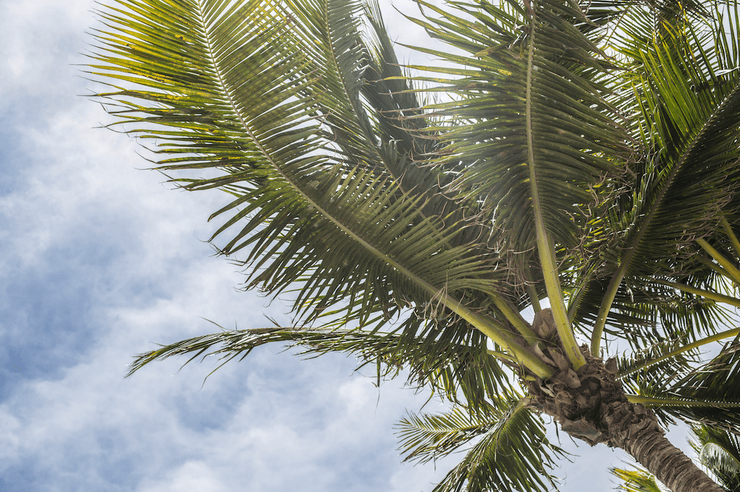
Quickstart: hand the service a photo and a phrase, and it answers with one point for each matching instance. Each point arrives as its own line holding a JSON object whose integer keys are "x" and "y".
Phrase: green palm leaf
{"x": 707, "y": 393}
{"x": 511, "y": 451}
{"x": 269, "y": 97}
{"x": 667, "y": 358}
{"x": 519, "y": 125}
{"x": 454, "y": 363}
{"x": 636, "y": 480}
{"x": 719, "y": 450}
{"x": 653, "y": 313}
{"x": 519, "y": 100}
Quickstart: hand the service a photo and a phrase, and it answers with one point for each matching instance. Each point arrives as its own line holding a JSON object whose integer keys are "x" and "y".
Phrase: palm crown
{"x": 587, "y": 155}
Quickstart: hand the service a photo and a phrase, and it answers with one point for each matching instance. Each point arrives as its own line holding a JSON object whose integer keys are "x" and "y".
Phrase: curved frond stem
{"x": 502, "y": 356}
{"x": 555, "y": 295}
{"x": 714, "y": 266}
{"x": 720, "y": 258}
{"x": 701, "y": 292}
{"x": 516, "y": 319}
{"x": 714, "y": 338}
{"x": 501, "y": 336}
{"x": 733, "y": 238}
{"x": 606, "y": 305}
{"x": 534, "y": 299}
{"x": 545, "y": 246}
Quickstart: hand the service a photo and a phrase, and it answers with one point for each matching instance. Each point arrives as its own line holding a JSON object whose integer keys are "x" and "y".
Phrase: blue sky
{"x": 100, "y": 260}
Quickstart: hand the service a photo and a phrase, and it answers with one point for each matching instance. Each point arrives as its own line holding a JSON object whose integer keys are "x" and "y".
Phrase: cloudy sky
{"x": 99, "y": 260}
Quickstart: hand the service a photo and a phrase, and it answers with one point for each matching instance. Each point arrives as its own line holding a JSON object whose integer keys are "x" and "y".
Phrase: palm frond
{"x": 428, "y": 437}
{"x": 511, "y": 452}
{"x": 709, "y": 393}
{"x": 269, "y": 96}
{"x": 455, "y": 364}
{"x": 719, "y": 451}
{"x": 653, "y": 313}
{"x": 519, "y": 97}
{"x": 637, "y": 480}
{"x": 667, "y": 359}
{"x": 526, "y": 83}
{"x": 657, "y": 361}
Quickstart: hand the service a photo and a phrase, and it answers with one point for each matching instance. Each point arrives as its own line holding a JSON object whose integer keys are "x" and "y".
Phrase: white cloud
{"x": 10, "y": 436}
{"x": 41, "y": 40}
{"x": 193, "y": 475}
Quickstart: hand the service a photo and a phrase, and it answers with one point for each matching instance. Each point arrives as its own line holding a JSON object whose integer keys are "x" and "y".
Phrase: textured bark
{"x": 668, "y": 463}
{"x": 590, "y": 405}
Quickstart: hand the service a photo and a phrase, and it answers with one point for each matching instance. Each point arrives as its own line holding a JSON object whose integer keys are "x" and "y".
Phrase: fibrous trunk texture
{"x": 668, "y": 463}
{"x": 590, "y": 405}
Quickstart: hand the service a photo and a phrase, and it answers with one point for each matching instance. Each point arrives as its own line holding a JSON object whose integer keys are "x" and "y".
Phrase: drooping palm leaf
{"x": 521, "y": 96}
{"x": 667, "y": 358}
{"x": 508, "y": 447}
{"x": 268, "y": 95}
{"x": 719, "y": 450}
{"x": 455, "y": 364}
{"x": 521, "y": 103}
{"x": 653, "y": 313}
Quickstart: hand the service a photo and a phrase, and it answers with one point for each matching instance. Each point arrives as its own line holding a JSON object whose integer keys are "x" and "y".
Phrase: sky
{"x": 100, "y": 260}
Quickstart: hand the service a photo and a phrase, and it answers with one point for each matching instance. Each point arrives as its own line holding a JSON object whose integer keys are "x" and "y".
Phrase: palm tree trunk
{"x": 647, "y": 443}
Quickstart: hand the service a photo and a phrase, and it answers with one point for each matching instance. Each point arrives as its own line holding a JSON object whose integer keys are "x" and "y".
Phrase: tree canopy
{"x": 577, "y": 159}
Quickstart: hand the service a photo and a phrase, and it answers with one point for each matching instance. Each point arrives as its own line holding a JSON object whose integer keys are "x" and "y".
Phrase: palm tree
{"x": 576, "y": 159}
